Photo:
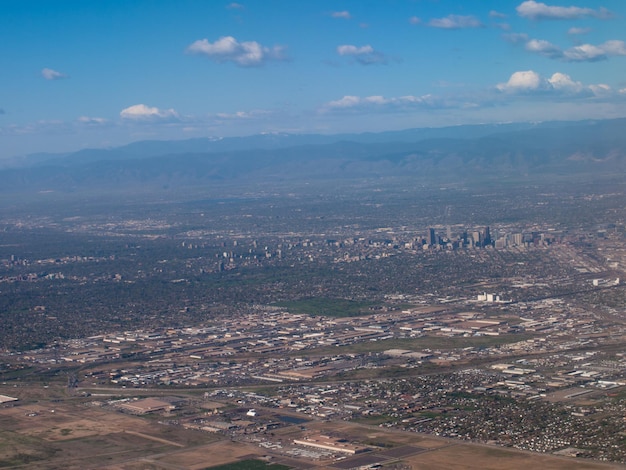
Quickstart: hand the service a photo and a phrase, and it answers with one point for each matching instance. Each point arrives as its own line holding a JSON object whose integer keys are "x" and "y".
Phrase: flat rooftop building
{"x": 320, "y": 441}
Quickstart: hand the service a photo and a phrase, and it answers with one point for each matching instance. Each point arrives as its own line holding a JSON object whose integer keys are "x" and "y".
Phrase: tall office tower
{"x": 477, "y": 237}
{"x": 487, "y": 237}
{"x": 432, "y": 238}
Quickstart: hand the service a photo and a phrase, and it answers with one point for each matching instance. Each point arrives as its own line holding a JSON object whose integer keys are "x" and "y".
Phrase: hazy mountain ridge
{"x": 450, "y": 153}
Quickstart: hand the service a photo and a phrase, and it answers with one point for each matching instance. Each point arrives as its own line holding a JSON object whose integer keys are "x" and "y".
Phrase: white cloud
{"x": 235, "y": 6}
{"x": 600, "y": 89}
{"x": 95, "y": 121}
{"x": 576, "y": 31}
{"x": 364, "y": 55}
{"x": 580, "y": 53}
{"x": 380, "y": 103}
{"x": 544, "y": 48}
{"x": 243, "y": 115}
{"x": 496, "y": 14}
{"x": 540, "y": 11}
{"x": 585, "y": 52}
{"x": 341, "y": 14}
{"x": 415, "y": 20}
{"x": 521, "y": 81}
{"x": 589, "y": 52}
{"x": 50, "y": 74}
{"x": 455, "y": 22}
{"x": 141, "y": 112}
{"x": 515, "y": 38}
{"x": 354, "y": 50}
{"x": 345, "y": 102}
{"x": 228, "y": 49}
{"x": 561, "y": 81}
{"x": 529, "y": 82}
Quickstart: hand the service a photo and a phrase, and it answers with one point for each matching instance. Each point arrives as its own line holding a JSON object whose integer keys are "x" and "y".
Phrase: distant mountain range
{"x": 445, "y": 154}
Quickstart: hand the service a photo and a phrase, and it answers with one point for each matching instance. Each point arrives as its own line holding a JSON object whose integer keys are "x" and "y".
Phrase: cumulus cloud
{"x": 380, "y": 103}
{"x": 364, "y": 55}
{"x": 92, "y": 121}
{"x": 341, "y": 14}
{"x": 415, "y": 20}
{"x": 496, "y": 14}
{"x": 544, "y": 48}
{"x": 580, "y": 53}
{"x": 530, "y": 82}
{"x": 354, "y": 50}
{"x": 455, "y": 22}
{"x": 540, "y": 11}
{"x": 244, "y": 54}
{"x": 50, "y": 74}
{"x": 521, "y": 81}
{"x": 601, "y": 89}
{"x": 515, "y": 38}
{"x": 591, "y": 53}
{"x": 243, "y": 115}
{"x": 577, "y": 31}
{"x": 141, "y": 112}
{"x": 563, "y": 82}
{"x": 235, "y": 6}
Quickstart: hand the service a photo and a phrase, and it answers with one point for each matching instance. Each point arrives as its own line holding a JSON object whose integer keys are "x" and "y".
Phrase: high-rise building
{"x": 477, "y": 238}
{"x": 487, "y": 237}
{"x": 432, "y": 237}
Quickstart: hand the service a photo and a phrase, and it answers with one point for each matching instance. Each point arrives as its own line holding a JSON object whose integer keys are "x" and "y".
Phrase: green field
{"x": 249, "y": 465}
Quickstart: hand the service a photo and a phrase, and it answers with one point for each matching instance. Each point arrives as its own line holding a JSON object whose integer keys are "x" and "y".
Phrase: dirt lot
{"x": 72, "y": 435}
{"x": 214, "y": 454}
{"x": 75, "y": 435}
{"x": 476, "y": 457}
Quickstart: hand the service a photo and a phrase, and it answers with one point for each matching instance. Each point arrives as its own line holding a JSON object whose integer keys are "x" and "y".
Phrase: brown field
{"x": 76, "y": 436}
{"x": 214, "y": 454}
{"x": 371, "y": 434}
{"x": 79, "y": 436}
{"x": 477, "y": 457}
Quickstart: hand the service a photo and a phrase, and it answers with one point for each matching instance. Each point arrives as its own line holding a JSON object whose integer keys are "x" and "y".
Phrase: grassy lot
{"x": 249, "y": 465}
{"x": 327, "y": 307}
{"x": 19, "y": 450}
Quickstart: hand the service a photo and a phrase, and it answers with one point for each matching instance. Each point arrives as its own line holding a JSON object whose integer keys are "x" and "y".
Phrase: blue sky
{"x": 89, "y": 73}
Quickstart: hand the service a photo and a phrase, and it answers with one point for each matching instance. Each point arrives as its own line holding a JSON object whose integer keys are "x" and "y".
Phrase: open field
{"x": 67, "y": 435}
{"x": 219, "y": 453}
{"x": 476, "y": 457}
{"x": 79, "y": 436}
{"x": 250, "y": 465}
